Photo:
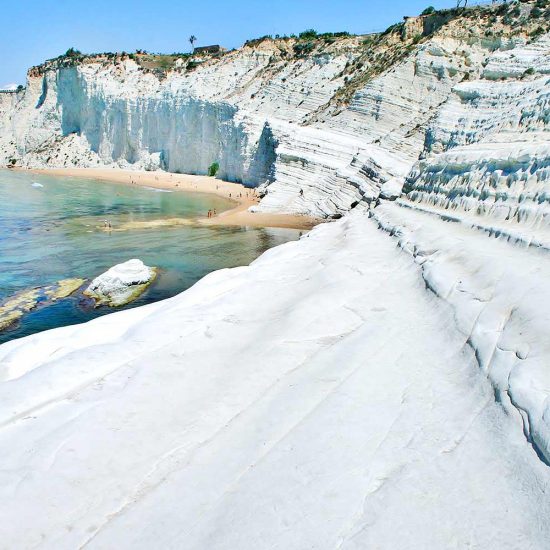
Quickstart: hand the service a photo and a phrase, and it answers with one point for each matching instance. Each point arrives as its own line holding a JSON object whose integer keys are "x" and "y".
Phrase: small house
{"x": 214, "y": 49}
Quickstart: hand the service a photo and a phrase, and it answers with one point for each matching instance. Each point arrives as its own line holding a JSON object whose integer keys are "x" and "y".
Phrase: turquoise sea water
{"x": 51, "y": 229}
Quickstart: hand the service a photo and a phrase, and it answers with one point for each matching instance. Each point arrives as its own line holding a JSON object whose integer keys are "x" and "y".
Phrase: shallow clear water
{"x": 54, "y": 231}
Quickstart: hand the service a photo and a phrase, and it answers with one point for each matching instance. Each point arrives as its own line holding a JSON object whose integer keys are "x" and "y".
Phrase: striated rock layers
{"x": 320, "y": 125}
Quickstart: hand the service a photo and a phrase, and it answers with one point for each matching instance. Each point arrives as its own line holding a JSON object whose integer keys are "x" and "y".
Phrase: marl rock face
{"x": 489, "y": 147}
{"x": 319, "y": 126}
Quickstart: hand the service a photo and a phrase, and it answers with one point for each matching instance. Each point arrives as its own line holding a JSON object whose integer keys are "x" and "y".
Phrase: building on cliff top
{"x": 214, "y": 49}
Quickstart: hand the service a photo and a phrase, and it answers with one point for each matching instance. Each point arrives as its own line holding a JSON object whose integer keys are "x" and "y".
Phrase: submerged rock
{"x": 17, "y": 305}
{"x": 121, "y": 284}
{"x": 13, "y": 309}
{"x": 63, "y": 288}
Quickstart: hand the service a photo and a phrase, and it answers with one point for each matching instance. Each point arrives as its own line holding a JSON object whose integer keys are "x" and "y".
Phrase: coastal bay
{"x": 54, "y": 227}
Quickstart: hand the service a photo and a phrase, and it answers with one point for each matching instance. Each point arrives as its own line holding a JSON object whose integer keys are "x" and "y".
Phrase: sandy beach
{"x": 243, "y": 197}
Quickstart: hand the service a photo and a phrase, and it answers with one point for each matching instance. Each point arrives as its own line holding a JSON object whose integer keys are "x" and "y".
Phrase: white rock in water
{"x": 121, "y": 284}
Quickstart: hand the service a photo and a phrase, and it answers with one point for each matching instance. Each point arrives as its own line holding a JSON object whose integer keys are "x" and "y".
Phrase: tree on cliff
{"x": 192, "y": 39}
{"x": 72, "y": 52}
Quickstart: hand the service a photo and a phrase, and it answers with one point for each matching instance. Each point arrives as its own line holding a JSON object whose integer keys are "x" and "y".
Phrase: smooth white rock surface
{"x": 323, "y": 397}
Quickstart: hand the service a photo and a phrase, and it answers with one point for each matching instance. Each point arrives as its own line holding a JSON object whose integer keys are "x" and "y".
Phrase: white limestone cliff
{"x": 336, "y": 122}
{"x": 382, "y": 382}
{"x": 488, "y": 149}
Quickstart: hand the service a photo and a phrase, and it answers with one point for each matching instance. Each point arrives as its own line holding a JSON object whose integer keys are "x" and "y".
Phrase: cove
{"x": 51, "y": 228}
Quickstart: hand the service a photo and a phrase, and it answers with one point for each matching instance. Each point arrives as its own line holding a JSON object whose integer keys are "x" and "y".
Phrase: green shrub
{"x": 303, "y": 49}
{"x": 309, "y": 34}
{"x": 72, "y": 52}
{"x": 213, "y": 169}
{"x": 536, "y": 32}
{"x": 530, "y": 71}
{"x": 341, "y": 34}
{"x": 428, "y": 11}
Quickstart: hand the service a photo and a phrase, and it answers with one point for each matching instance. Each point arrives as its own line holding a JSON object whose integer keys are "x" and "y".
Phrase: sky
{"x": 35, "y": 30}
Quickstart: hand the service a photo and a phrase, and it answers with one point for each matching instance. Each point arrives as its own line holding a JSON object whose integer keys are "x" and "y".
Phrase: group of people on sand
{"x": 211, "y": 213}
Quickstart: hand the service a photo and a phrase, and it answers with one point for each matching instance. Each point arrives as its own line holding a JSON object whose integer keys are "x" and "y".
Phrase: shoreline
{"x": 244, "y": 197}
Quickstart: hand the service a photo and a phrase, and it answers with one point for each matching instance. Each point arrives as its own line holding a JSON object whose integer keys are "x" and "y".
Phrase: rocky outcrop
{"x": 121, "y": 284}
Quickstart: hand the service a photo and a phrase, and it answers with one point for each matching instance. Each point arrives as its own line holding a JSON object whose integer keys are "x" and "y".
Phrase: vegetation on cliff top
{"x": 372, "y": 54}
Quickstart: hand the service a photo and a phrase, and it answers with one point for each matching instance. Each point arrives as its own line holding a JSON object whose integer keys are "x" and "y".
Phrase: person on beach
{"x": 214, "y": 212}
